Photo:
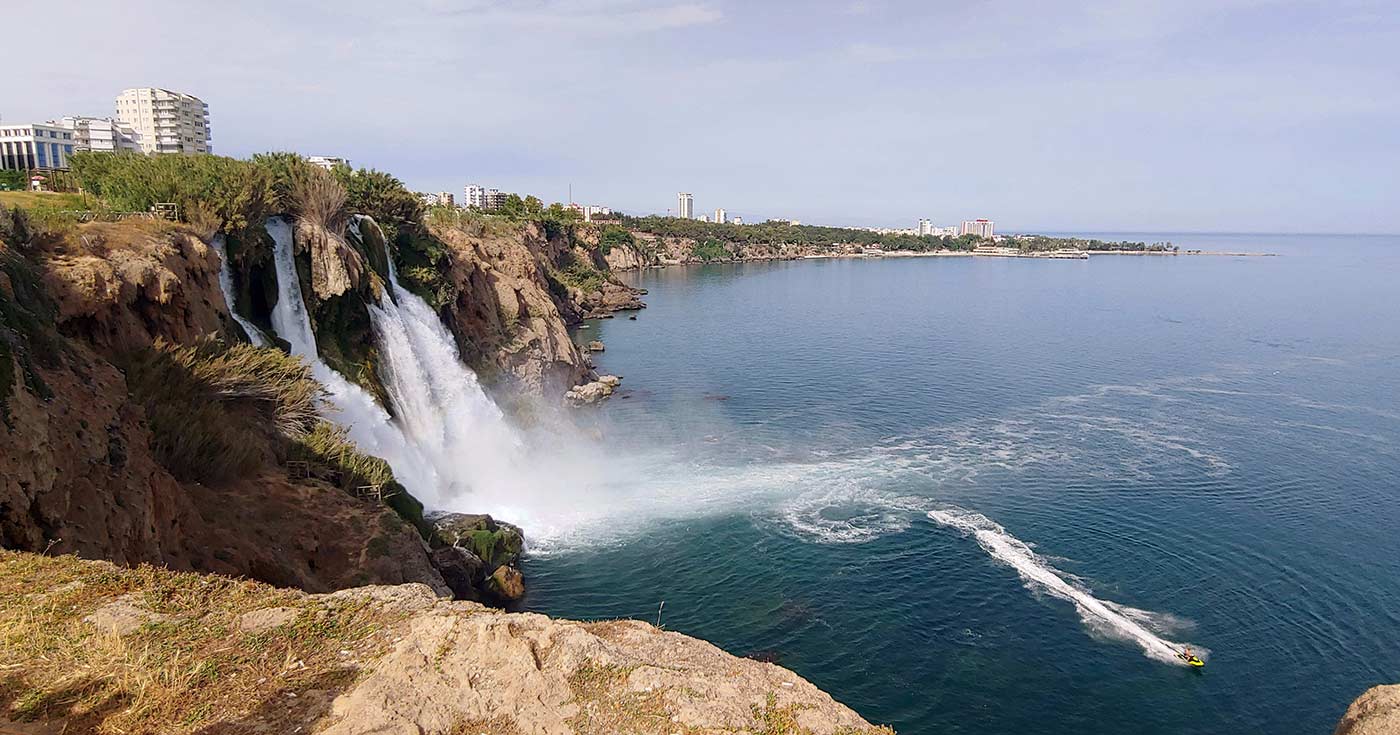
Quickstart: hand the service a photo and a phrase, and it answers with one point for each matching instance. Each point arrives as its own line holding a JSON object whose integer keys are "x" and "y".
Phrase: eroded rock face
{"x": 458, "y": 664}
{"x": 509, "y": 325}
{"x": 1376, "y": 712}
{"x": 118, "y": 286}
{"x": 512, "y": 312}
{"x": 77, "y": 471}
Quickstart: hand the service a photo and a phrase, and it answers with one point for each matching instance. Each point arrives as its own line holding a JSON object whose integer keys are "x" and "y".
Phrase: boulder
{"x": 493, "y": 542}
{"x": 596, "y": 346}
{"x": 590, "y": 393}
{"x": 507, "y": 584}
{"x": 463, "y": 571}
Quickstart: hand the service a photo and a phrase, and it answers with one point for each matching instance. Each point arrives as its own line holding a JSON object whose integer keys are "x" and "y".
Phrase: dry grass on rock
{"x": 191, "y": 668}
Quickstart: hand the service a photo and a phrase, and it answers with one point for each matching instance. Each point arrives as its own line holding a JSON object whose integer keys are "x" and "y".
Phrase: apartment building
{"x": 167, "y": 121}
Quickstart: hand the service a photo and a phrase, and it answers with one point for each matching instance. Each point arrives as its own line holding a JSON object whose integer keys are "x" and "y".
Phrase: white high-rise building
{"x": 685, "y": 206}
{"x": 925, "y": 227}
{"x": 101, "y": 134}
{"x": 481, "y": 197}
{"x": 721, "y": 216}
{"x": 979, "y": 227}
{"x": 168, "y": 122}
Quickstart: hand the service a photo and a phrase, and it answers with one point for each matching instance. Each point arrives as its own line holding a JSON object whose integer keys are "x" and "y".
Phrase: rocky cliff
{"x": 515, "y": 289}
{"x": 1375, "y": 712}
{"x": 92, "y": 648}
{"x": 88, "y": 466}
{"x": 650, "y": 250}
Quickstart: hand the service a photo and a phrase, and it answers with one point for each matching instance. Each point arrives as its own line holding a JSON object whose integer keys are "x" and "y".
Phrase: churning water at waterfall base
{"x": 815, "y": 461}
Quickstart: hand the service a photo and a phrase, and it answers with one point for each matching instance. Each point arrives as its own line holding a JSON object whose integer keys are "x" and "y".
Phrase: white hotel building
{"x": 35, "y": 146}
{"x": 168, "y": 122}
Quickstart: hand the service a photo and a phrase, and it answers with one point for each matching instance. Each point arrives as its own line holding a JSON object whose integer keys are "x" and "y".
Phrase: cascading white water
{"x": 439, "y": 403}
{"x": 367, "y": 423}
{"x": 255, "y": 335}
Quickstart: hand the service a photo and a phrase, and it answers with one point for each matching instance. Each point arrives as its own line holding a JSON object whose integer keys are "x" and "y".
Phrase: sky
{"x": 1173, "y": 115}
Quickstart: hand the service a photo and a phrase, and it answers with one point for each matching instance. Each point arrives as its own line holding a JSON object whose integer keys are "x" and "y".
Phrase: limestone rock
{"x": 591, "y": 393}
{"x": 259, "y": 621}
{"x": 123, "y": 616}
{"x": 596, "y": 346}
{"x": 457, "y": 663}
{"x": 1375, "y": 712}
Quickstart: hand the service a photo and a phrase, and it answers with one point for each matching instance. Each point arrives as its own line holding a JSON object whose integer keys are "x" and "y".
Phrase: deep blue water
{"x": 1215, "y": 440}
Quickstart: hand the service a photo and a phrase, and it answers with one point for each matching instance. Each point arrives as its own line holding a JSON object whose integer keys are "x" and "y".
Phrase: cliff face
{"x": 649, "y": 250}
{"x": 382, "y": 660}
{"x": 517, "y": 289}
{"x": 79, "y": 468}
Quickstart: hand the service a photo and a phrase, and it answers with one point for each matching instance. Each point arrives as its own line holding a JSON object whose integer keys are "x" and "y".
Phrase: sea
{"x": 985, "y": 495}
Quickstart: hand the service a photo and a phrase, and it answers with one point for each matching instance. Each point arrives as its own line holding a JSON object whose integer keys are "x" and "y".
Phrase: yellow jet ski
{"x": 1191, "y": 659}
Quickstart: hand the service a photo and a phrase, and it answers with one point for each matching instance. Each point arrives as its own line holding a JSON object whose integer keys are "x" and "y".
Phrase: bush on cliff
{"x": 28, "y": 340}
{"x": 214, "y": 192}
{"x": 208, "y": 403}
{"x": 613, "y": 236}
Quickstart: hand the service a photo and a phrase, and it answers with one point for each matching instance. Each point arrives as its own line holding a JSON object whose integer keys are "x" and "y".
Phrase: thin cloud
{"x": 870, "y": 53}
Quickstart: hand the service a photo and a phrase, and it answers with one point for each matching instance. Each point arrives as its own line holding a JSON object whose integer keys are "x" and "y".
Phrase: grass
{"x": 195, "y": 669}
{"x": 45, "y": 200}
{"x": 208, "y": 403}
{"x": 607, "y": 707}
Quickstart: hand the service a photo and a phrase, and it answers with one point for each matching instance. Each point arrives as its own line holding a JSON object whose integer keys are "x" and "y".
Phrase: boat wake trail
{"x": 1100, "y": 616}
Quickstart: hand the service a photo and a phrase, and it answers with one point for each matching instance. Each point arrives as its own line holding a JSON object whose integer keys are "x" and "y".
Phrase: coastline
{"x": 939, "y": 254}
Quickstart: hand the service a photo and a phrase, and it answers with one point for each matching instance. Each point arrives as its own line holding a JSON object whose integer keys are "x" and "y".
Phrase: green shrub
{"x": 209, "y": 403}
{"x": 581, "y": 274}
{"x": 613, "y": 236}
{"x": 708, "y": 250}
{"x": 231, "y": 194}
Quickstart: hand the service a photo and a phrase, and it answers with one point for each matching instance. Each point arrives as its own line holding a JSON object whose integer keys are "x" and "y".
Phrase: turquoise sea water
{"x": 1211, "y": 445}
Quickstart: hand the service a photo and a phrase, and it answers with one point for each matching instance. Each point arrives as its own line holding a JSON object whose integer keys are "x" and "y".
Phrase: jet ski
{"x": 1191, "y": 659}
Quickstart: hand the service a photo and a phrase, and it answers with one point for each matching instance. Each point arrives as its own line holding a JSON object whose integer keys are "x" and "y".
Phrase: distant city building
{"x": 720, "y": 215}
{"x": 944, "y": 232}
{"x": 168, "y": 122}
{"x": 480, "y": 197}
{"x": 685, "y": 206}
{"x": 925, "y": 227}
{"x": 704, "y": 218}
{"x": 328, "y": 162}
{"x": 978, "y": 227}
{"x": 738, "y": 220}
{"x": 442, "y": 198}
{"x": 101, "y": 134}
{"x": 35, "y": 146}
{"x": 589, "y": 211}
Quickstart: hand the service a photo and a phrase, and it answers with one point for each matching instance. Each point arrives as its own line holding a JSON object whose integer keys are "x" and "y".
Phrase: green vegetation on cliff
{"x": 207, "y": 404}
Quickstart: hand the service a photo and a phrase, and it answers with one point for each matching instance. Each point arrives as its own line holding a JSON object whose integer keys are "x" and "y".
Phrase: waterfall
{"x": 367, "y": 423}
{"x": 255, "y": 335}
{"x": 439, "y": 403}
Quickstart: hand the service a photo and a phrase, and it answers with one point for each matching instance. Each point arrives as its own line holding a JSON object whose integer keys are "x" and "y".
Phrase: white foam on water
{"x": 1100, "y": 616}
{"x": 255, "y": 335}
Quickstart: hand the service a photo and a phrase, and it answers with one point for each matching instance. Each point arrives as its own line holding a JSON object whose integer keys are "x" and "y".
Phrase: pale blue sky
{"x": 1259, "y": 115}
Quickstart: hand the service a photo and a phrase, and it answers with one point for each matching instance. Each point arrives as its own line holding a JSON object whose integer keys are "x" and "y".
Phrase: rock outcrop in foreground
{"x": 1376, "y": 712}
{"x": 90, "y": 647}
